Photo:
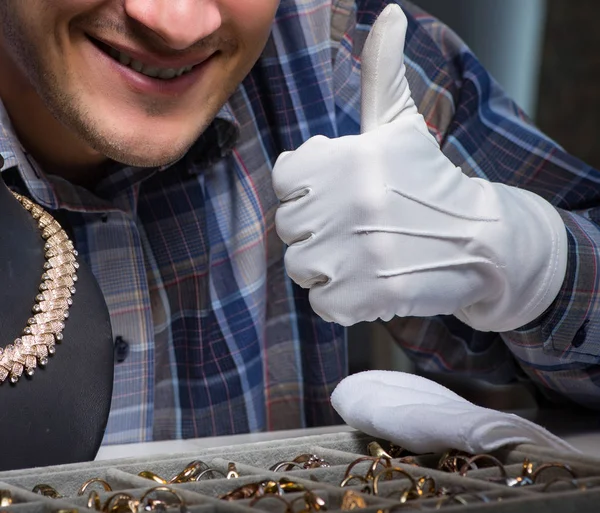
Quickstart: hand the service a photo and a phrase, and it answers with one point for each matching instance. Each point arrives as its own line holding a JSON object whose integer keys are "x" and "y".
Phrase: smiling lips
{"x": 148, "y": 70}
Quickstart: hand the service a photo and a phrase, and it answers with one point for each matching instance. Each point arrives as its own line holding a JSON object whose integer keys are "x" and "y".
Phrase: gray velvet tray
{"x": 482, "y": 489}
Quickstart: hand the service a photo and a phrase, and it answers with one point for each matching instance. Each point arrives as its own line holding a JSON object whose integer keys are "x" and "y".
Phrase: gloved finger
{"x": 293, "y": 220}
{"x": 294, "y": 171}
{"x": 302, "y": 266}
{"x": 385, "y": 91}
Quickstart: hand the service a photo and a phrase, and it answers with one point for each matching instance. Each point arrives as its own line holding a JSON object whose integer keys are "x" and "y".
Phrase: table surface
{"x": 581, "y": 431}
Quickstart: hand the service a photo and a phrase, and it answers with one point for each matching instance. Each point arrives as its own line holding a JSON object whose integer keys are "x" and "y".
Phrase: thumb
{"x": 385, "y": 91}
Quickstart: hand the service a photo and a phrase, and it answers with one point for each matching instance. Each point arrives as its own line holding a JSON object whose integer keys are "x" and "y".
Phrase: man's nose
{"x": 179, "y": 23}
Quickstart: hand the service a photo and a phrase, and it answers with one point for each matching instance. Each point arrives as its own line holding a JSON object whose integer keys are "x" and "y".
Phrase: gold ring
{"x": 232, "y": 472}
{"x": 158, "y": 489}
{"x": 449, "y": 460}
{"x": 349, "y": 478}
{"x": 6, "y": 499}
{"x": 93, "y": 501}
{"x": 204, "y": 472}
{"x": 495, "y": 461}
{"x": 352, "y": 500}
{"x": 278, "y": 466}
{"x": 89, "y": 482}
{"x": 527, "y": 468}
{"x": 311, "y": 461}
{"x": 289, "y": 486}
{"x": 546, "y": 466}
{"x": 312, "y": 502}
{"x": 420, "y": 489}
{"x": 120, "y": 503}
{"x": 46, "y": 491}
{"x": 387, "y": 463}
{"x": 242, "y": 492}
{"x": 376, "y": 451}
{"x": 391, "y": 470}
{"x": 147, "y": 474}
{"x": 189, "y": 473}
{"x": 579, "y": 486}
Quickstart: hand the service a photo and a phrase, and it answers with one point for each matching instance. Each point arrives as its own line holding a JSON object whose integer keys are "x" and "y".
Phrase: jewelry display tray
{"x": 339, "y": 450}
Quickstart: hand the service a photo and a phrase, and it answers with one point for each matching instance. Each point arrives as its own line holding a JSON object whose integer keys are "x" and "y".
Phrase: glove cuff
{"x": 531, "y": 249}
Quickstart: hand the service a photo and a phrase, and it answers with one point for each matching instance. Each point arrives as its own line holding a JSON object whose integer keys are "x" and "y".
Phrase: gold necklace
{"x": 51, "y": 306}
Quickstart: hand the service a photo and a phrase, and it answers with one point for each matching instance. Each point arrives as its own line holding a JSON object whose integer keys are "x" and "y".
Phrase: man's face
{"x": 136, "y": 80}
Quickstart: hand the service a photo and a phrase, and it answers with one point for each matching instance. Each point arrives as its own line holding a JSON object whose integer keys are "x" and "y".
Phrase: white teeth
{"x": 166, "y": 74}
{"x": 124, "y": 59}
{"x": 150, "y": 71}
{"x": 137, "y": 65}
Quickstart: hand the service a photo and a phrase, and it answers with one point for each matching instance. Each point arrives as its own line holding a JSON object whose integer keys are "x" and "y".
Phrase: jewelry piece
{"x": 449, "y": 461}
{"x": 302, "y": 462}
{"x": 268, "y": 487}
{"x": 312, "y": 502}
{"x": 387, "y": 472}
{"x": 352, "y": 500}
{"x": 310, "y": 461}
{"x": 86, "y": 485}
{"x": 232, "y": 472}
{"x": 350, "y": 477}
{"x": 157, "y": 504}
{"x": 574, "y": 484}
{"x": 468, "y": 465}
{"x": 375, "y": 450}
{"x": 426, "y": 487}
{"x": 47, "y": 491}
{"x": 190, "y": 472}
{"x": 52, "y": 304}
{"x": 207, "y": 471}
{"x": 93, "y": 501}
{"x": 120, "y": 503}
{"x": 548, "y": 466}
{"x": 385, "y": 462}
{"x": 289, "y": 465}
{"x": 147, "y": 474}
{"x": 6, "y": 499}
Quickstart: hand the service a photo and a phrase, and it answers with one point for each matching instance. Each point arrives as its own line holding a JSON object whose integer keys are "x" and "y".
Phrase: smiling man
{"x": 134, "y": 81}
{"x": 152, "y": 129}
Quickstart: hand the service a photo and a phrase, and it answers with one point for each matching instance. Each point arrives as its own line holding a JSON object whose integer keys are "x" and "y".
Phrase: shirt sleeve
{"x": 485, "y": 133}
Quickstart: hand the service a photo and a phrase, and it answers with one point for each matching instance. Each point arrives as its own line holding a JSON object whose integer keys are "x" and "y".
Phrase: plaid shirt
{"x": 189, "y": 263}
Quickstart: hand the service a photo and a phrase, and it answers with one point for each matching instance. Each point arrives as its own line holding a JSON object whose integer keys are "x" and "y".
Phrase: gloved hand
{"x": 383, "y": 224}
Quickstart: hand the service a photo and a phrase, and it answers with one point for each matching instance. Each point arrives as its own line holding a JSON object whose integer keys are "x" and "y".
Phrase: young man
{"x": 153, "y": 127}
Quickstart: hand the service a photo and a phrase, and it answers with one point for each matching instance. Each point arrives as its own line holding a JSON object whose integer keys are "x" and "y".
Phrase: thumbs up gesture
{"x": 382, "y": 224}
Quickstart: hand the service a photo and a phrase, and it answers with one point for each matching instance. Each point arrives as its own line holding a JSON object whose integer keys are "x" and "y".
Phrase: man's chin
{"x": 148, "y": 159}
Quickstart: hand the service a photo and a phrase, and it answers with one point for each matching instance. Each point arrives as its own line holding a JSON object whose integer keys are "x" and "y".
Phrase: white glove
{"x": 423, "y": 416}
{"x": 383, "y": 224}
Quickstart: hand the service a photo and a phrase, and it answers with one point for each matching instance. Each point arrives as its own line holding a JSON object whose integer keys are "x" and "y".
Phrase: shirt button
{"x": 121, "y": 349}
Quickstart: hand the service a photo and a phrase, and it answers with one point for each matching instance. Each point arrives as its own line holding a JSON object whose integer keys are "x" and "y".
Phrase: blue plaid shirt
{"x": 191, "y": 268}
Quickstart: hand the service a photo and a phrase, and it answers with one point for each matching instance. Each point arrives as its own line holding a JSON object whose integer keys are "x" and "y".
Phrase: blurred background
{"x": 546, "y": 55}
